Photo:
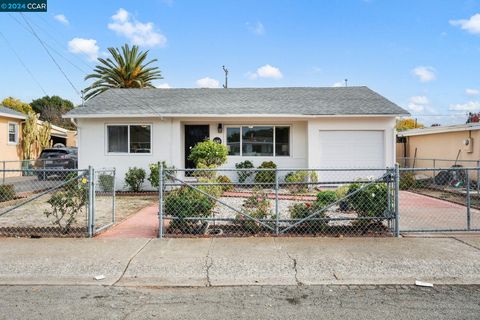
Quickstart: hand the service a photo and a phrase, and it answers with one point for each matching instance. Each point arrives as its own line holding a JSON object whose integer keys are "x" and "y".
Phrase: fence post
{"x": 478, "y": 179}
{"x": 160, "y": 200}
{"x": 3, "y": 180}
{"x": 469, "y": 217}
{"x": 434, "y": 171}
{"x": 90, "y": 202}
{"x": 397, "y": 211}
{"x": 277, "y": 218}
{"x": 113, "y": 196}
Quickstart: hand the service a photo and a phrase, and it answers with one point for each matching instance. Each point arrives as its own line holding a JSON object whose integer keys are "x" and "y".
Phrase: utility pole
{"x": 225, "y": 86}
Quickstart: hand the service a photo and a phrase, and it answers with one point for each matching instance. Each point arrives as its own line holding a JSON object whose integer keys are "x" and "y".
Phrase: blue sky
{"x": 423, "y": 55}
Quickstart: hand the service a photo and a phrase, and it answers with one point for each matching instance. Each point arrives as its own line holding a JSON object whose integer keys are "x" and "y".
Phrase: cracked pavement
{"x": 211, "y": 262}
{"x": 251, "y": 302}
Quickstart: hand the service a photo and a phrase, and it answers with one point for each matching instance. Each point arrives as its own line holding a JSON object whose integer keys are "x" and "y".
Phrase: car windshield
{"x": 52, "y": 153}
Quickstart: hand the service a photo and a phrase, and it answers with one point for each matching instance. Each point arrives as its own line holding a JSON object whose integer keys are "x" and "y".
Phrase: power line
{"x": 50, "y": 55}
{"x": 22, "y": 63}
{"x": 51, "y": 47}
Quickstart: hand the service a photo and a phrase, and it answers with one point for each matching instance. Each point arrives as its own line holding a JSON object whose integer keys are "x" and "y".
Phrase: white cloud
{"x": 142, "y": 34}
{"x": 163, "y": 86}
{"x": 338, "y": 84}
{"x": 472, "y": 92}
{"x": 419, "y": 104}
{"x": 471, "y": 25}
{"x": 208, "y": 83}
{"x": 87, "y": 47}
{"x": 61, "y": 18}
{"x": 424, "y": 74}
{"x": 256, "y": 28}
{"x": 469, "y": 106}
{"x": 266, "y": 71}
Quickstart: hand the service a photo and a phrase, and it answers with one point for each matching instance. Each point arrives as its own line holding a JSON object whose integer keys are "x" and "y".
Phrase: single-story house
{"x": 349, "y": 127}
{"x": 457, "y": 142}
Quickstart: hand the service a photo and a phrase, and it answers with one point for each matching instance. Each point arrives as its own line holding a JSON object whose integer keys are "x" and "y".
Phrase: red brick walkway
{"x": 143, "y": 224}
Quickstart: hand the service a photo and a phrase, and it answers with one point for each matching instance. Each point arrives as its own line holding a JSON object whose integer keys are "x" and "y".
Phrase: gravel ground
{"x": 32, "y": 214}
{"x": 222, "y": 211}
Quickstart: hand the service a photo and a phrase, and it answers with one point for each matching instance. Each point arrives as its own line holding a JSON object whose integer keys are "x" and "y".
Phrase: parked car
{"x": 56, "y": 158}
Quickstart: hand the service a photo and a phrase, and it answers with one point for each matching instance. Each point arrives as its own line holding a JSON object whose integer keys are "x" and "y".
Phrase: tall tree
{"x": 408, "y": 123}
{"x": 125, "y": 69}
{"x": 17, "y": 104}
{"x": 52, "y": 108}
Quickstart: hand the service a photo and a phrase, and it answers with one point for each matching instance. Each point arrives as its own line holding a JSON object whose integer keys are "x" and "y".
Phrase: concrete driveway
{"x": 419, "y": 212}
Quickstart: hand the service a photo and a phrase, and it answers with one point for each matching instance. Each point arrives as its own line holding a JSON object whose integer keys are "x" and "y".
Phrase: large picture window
{"x": 129, "y": 138}
{"x": 261, "y": 141}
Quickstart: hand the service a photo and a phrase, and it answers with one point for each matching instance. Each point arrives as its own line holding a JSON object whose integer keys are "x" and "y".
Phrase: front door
{"x": 193, "y": 135}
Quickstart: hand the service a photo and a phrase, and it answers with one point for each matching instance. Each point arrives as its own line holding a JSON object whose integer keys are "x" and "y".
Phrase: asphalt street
{"x": 250, "y": 302}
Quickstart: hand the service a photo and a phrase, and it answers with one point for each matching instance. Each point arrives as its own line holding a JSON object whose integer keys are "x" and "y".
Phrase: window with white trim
{"x": 258, "y": 141}
{"x": 129, "y": 138}
{"x": 12, "y": 132}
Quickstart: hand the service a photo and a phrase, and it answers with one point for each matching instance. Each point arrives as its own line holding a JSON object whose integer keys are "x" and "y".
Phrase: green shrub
{"x": 267, "y": 176}
{"x": 371, "y": 201}
{"x": 407, "y": 180}
{"x": 210, "y": 187}
{"x": 341, "y": 193}
{"x": 208, "y": 174}
{"x": 68, "y": 202}
{"x": 325, "y": 198}
{"x": 154, "y": 177}
{"x": 106, "y": 182}
{"x": 300, "y": 177}
{"x": 302, "y": 210}
{"x": 244, "y": 174}
{"x": 134, "y": 178}
{"x": 187, "y": 203}
{"x": 257, "y": 206}
{"x": 208, "y": 153}
{"x": 7, "y": 192}
{"x": 226, "y": 180}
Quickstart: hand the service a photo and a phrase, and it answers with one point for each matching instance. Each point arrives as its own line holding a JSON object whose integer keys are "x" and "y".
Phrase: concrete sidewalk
{"x": 240, "y": 261}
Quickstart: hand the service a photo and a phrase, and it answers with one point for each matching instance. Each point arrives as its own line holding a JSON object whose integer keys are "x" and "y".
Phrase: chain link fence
{"x": 439, "y": 199}
{"x": 282, "y": 202}
{"x": 37, "y": 202}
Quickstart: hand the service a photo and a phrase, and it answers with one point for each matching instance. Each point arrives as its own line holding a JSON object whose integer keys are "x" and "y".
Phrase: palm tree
{"x": 126, "y": 70}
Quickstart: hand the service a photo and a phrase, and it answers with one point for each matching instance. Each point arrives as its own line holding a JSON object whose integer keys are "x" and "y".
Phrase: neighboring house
{"x": 11, "y": 125}
{"x": 61, "y": 135}
{"x": 10, "y": 134}
{"x": 294, "y": 127}
{"x": 460, "y": 142}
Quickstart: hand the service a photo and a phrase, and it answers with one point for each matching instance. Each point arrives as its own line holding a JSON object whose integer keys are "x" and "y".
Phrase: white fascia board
{"x": 100, "y": 116}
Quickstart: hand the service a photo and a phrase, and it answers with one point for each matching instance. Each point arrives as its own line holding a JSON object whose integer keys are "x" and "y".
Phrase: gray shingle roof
{"x": 241, "y": 101}
{"x": 8, "y": 111}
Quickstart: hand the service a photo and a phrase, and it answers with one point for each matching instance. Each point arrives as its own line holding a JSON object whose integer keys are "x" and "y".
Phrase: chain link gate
{"x": 280, "y": 202}
{"x": 439, "y": 199}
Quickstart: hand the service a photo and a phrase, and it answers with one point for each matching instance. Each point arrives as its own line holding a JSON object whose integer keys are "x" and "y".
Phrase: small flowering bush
{"x": 257, "y": 206}
{"x": 370, "y": 201}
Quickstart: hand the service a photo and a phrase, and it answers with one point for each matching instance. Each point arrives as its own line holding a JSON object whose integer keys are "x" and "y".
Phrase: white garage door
{"x": 352, "y": 149}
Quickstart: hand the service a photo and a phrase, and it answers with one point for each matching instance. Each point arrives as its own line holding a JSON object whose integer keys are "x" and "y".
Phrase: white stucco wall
{"x": 92, "y": 150}
{"x": 385, "y": 124}
{"x": 168, "y": 141}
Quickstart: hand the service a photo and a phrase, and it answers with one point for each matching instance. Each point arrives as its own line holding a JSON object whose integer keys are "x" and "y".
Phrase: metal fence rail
{"x": 439, "y": 199}
{"x": 36, "y": 202}
{"x": 246, "y": 202}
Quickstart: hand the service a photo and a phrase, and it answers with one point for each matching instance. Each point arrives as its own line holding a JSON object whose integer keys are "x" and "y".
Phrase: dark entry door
{"x": 193, "y": 135}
